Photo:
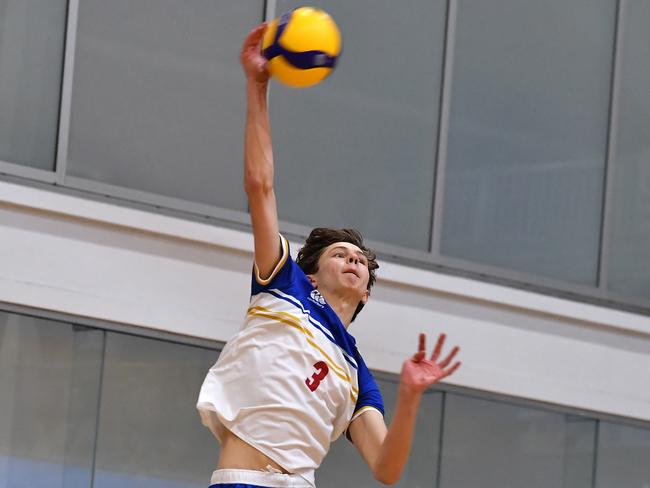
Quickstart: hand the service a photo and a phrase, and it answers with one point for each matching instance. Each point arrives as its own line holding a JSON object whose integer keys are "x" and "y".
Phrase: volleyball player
{"x": 292, "y": 380}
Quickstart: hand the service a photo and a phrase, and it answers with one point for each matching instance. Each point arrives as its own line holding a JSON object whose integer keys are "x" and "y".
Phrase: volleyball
{"x": 302, "y": 47}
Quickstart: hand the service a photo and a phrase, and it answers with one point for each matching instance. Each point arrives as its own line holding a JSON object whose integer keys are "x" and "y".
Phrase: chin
{"x": 353, "y": 288}
{"x": 350, "y": 281}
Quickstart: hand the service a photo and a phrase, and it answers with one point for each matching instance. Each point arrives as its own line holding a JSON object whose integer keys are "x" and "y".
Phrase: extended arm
{"x": 386, "y": 450}
{"x": 258, "y": 156}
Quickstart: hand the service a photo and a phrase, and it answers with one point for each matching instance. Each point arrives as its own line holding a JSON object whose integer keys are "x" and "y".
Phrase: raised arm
{"x": 258, "y": 156}
{"x": 386, "y": 450}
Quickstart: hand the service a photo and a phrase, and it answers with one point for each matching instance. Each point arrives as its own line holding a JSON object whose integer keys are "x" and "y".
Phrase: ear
{"x": 365, "y": 297}
{"x": 312, "y": 280}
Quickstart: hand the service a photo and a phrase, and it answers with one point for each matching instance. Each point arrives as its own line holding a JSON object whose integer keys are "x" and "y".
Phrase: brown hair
{"x": 322, "y": 237}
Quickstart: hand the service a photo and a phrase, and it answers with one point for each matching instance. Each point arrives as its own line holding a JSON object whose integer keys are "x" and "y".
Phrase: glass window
{"x": 32, "y": 34}
{"x": 150, "y": 434}
{"x": 623, "y": 454}
{"x": 358, "y": 149}
{"x": 49, "y": 379}
{"x": 508, "y": 445}
{"x": 344, "y": 466}
{"x": 629, "y": 266}
{"x": 158, "y": 103}
{"x": 528, "y": 135}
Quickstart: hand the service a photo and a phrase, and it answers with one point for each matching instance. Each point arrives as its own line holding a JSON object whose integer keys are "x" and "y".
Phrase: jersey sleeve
{"x": 281, "y": 276}
{"x": 369, "y": 394}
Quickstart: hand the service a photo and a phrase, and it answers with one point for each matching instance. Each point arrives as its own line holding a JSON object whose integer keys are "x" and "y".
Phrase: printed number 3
{"x": 321, "y": 371}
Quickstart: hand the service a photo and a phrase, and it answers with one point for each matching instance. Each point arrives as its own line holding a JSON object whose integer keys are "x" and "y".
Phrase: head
{"x": 337, "y": 259}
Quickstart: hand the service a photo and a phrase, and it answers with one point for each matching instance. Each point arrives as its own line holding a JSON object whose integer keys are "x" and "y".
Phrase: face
{"x": 343, "y": 269}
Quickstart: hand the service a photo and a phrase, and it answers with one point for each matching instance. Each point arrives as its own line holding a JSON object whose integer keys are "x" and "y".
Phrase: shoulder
{"x": 284, "y": 257}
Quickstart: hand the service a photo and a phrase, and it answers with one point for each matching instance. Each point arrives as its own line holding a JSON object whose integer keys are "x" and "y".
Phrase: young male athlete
{"x": 292, "y": 380}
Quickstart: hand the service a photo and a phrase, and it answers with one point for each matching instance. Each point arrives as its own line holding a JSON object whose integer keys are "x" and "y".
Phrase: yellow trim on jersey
{"x": 284, "y": 317}
{"x": 278, "y": 267}
{"x": 358, "y": 414}
{"x": 335, "y": 367}
{"x": 363, "y": 410}
{"x": 293, "y": 321}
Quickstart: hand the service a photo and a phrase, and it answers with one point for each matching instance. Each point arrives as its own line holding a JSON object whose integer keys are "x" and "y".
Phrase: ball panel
{"x": 269, "y": 35}
{"x": 311, "y": 29}
{"x": 295, "y": 77}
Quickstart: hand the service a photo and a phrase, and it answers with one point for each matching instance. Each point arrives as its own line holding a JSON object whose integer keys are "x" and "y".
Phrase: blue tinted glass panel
{"x": 528, "y": 135}
{"x": 493, "y": 445}
{"x": 150, "y": 434}
{"x": 158, "y": 103}
{"x": 32, "y": 35}
{"x": 358, "y": 150}
{"x": 629, "y": 264}
{"x": 49, "y": 384}
{"x": 623, "y": 454}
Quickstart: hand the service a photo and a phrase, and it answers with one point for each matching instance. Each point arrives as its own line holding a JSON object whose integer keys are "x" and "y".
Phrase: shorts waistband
{"x": 260, "y": 478}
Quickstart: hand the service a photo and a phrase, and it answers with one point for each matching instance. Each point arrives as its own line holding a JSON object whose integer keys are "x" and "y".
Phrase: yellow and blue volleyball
{"x": 302, "y": 47}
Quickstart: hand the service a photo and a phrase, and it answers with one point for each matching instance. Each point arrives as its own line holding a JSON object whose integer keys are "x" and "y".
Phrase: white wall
{"x": 96, "y": 260}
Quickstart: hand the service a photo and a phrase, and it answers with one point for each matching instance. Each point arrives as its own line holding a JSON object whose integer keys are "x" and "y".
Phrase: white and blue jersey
{"x": 291, "y": 381}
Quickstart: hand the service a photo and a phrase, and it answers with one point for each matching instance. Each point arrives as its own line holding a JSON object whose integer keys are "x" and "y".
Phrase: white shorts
{"x": 258, "y": 478}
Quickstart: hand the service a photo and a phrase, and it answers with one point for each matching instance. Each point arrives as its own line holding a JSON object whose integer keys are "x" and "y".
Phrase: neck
{"x": 343, "y": 305}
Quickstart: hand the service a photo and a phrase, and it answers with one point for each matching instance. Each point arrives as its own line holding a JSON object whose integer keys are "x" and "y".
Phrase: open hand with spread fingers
{"x": 418, "y": 372}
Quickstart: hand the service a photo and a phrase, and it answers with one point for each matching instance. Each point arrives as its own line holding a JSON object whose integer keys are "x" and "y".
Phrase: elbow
{"x": 386, "y": 478}
{"x": 255, "y": 185}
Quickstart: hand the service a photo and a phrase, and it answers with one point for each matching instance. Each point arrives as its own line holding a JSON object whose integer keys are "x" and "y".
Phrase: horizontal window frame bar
{"x": 147, "y": 200}
{"x": 29, "y": 172}
{"x": 108, "y": 326}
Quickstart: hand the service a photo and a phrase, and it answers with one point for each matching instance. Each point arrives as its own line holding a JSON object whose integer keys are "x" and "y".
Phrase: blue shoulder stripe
{"x": 296, "y": 303}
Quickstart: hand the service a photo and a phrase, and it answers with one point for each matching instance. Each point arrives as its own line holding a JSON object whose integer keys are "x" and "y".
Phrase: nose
{"x": 353, "y": 260}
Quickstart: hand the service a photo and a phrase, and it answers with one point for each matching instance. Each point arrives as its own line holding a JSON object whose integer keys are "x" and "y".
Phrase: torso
{"x": 287, "y": 383}
{"x": 237, "y": 454}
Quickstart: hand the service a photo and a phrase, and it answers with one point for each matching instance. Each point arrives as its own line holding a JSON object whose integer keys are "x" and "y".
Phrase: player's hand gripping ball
{"x": 302, "y": 47}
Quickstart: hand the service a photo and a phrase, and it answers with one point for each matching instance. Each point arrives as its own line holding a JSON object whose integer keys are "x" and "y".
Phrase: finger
{"x": 438, "y": 348}
{"x": 451, "y": 370}
{"x": 447, "y": 360}
{"x": 249, "y": 54}
{"x": 419, "y": 356}
{"x": 254, "y": 37}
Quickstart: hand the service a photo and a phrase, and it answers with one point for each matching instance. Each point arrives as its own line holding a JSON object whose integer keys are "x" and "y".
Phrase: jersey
{"x": 291, "y": 381}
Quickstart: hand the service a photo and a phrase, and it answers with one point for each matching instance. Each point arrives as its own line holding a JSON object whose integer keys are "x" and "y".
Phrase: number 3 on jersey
{"x": 321, "y": 371}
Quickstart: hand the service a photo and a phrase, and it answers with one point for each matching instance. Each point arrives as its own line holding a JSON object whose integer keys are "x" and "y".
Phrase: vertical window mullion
{"x": 612, "y": 140}
{"x": 66, "y": 91}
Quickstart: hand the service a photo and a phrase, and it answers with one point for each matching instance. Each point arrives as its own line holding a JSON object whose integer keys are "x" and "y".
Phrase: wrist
{"x": 256, "y": 85}
{"x": 409, "y": 392}
{"x": 256, "y": 97}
